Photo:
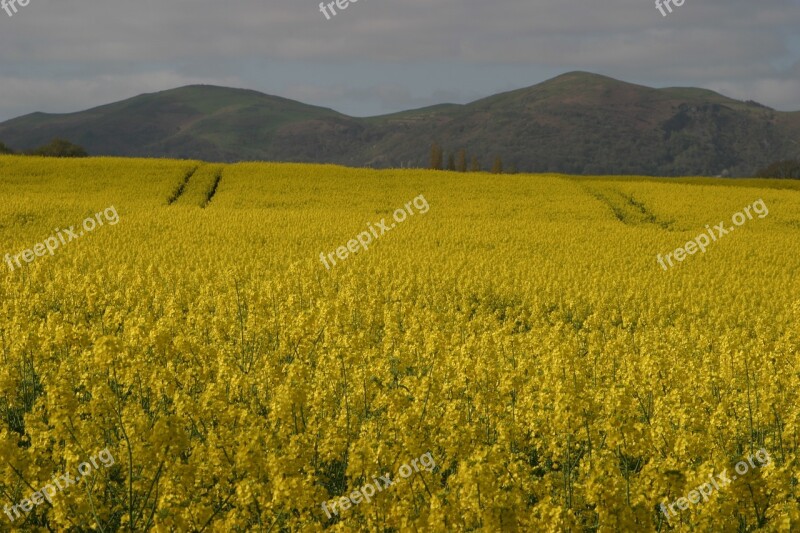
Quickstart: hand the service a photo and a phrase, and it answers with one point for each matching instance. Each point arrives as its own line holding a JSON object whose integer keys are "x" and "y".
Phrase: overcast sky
{"x": 380, "y": 56}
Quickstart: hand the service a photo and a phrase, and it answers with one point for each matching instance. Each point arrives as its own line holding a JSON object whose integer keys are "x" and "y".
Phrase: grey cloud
{"x": 102, "y": 51}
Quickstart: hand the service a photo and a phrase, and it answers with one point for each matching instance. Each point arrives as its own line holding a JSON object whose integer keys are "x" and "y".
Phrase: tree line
{"x": 457, "y": 162}
{"x": 55, "y": 148}
{"x": 788, "y": 169}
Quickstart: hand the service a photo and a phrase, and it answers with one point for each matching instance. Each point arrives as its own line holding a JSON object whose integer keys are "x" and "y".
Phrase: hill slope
{"x": 575, "y": 123}
{"x": 200, "y": 121}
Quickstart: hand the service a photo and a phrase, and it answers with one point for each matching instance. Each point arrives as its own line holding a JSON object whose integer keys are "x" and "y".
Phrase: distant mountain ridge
{"x": 577, "y": 123}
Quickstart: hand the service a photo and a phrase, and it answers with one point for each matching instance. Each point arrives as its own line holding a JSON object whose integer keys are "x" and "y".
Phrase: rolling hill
{"x": 577, "y": 123}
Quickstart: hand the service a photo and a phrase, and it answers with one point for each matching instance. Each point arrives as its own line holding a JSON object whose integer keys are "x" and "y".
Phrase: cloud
{"x": 76, "y": 53}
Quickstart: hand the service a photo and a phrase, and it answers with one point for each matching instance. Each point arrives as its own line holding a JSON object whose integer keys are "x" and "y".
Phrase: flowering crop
{"x": 520, "y": 332}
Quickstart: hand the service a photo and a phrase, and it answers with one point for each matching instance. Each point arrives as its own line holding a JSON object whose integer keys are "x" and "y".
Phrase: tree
{"x": 451, "y": 162}
{"x": 60, "y": 148}
{"x": 461, "y": 160}
{"x": 436, "y": 157}
{"x": 5, "y": 149}
{"x": 474, "y": 165}
{"x": 789, "y": 169}
{"x": 497, "y": 167}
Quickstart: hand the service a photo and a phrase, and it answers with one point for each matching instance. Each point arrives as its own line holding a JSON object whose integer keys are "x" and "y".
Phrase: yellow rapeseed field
{"x": 521, "y": 332}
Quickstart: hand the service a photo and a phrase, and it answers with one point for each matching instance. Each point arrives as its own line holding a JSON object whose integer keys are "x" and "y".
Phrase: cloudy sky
{"x": 379, "y": 56}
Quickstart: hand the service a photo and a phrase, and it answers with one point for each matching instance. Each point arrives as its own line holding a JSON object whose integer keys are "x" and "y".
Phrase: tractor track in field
{"x": 627, "y": 209}
{"x": 213, "y": 190}
{"x": 182, "y": 187}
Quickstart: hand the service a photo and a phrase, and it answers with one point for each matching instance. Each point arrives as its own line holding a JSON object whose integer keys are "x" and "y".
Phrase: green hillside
{"x": 577, "y": 123}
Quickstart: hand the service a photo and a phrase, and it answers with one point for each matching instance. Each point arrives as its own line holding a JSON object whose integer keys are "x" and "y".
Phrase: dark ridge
{"x": 576, "y": 123}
